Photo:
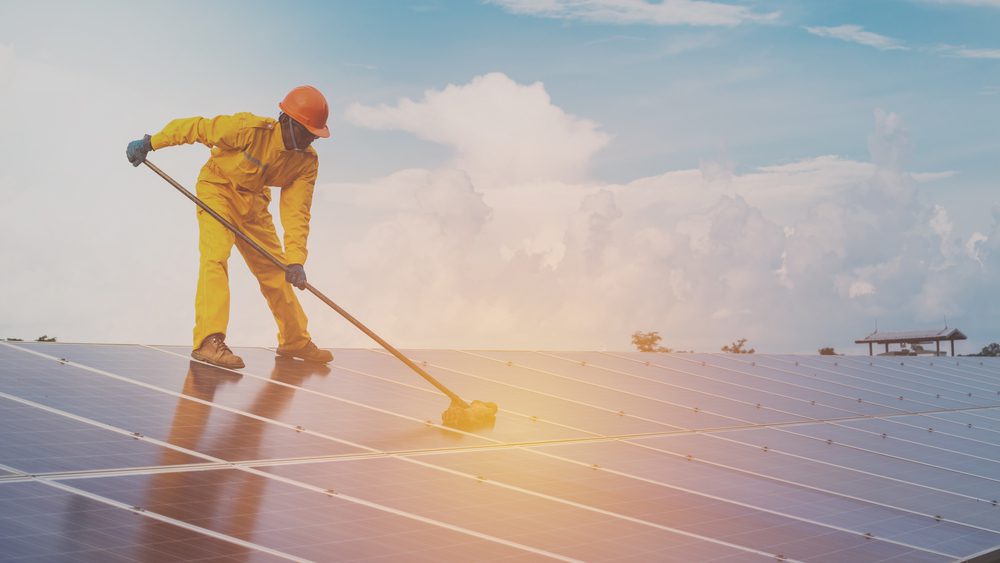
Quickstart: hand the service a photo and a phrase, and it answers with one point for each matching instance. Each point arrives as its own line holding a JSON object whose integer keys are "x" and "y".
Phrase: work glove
{"x": 296, "y": 275}
{"x": 138, "y": 149}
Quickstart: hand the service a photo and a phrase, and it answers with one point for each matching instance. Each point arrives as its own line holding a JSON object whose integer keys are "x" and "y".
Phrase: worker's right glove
{"x": 296, "y": 275}
{"x": 138, "y": 149}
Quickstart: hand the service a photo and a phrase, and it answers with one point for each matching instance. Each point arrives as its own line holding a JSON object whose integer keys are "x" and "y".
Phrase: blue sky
{"x": 851, "y": 146}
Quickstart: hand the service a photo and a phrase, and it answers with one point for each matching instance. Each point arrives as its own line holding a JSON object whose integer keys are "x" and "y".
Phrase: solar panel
{"x": 121, "y": 452}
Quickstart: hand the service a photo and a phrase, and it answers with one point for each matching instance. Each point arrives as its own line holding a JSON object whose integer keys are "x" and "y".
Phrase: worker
{"x": 250, "y": 154}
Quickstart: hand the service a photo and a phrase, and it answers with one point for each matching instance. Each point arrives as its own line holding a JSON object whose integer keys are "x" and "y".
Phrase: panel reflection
{"x": 242, "y": 437}
{"x": 232, "y": 509}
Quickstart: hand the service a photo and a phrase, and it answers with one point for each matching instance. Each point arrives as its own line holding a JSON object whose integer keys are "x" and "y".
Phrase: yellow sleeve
{"x": 296, "y": 200}
{"x": 226, "y": 131}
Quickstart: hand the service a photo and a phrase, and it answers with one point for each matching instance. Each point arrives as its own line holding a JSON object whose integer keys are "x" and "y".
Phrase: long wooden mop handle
{"x": 391, "y": 349}
{"x": 214, "y": 214}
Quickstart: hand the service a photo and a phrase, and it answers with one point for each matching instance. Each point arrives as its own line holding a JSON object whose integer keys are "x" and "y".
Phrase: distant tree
{"x": 737, "y": 347}
{"x": 992, "y": 349}
{"x": 828, "y": 351}
{"x": 648, "y": 342}
{"x": 45, "y": 338}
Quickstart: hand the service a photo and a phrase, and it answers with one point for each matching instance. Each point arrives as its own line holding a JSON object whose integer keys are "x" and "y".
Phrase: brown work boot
{"x": 214, "y": 351}
{"x": 309, "y": 353}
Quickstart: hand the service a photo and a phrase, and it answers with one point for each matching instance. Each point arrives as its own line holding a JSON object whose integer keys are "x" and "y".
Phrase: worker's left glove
{"x": 138, "y": 149}
{"x": 296, "y": 275}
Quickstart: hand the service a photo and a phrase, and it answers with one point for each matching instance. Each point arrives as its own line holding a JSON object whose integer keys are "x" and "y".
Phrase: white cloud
{"x": 502, "y": 132}
{"x": 968, "y": 52}
{"x": 817, "y": 246}
{"x": 665, "y": 12}
{"x": 857, "y": 34}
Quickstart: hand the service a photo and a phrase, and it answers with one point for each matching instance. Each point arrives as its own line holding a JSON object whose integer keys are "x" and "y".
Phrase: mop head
{"x": 476, "y": 416}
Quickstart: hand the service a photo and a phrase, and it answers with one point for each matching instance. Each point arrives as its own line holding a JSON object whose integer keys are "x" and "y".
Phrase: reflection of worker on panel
{"x": 229, "y": 504}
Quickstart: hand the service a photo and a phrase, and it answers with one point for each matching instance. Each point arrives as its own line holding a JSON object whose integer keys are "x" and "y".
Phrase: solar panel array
{"x": 122, "y": 453}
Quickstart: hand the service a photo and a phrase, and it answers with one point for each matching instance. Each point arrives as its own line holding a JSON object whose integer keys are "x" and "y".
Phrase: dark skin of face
{"x": 295, "y": 136}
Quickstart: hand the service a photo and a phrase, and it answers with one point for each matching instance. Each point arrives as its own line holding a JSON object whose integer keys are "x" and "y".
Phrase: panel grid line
{"x": 856, "y": 470}
{"x": 946, "y": 366}
{"x": 365, "y": 406}
{"x": 772, "y": 380}
{"x": 819, "y": 489}
{"x": 739, "y": 503}
{"x": 549, "y": 395}
{"x": 995, "y": 395}
{"x": 603, "y": 511}
{"x": 646, "y": 397}
{"x": 826, "y": 368}
{"x": 929, "y": 414}
{"x": 834, "y": 422}
{"x": 973, "y": 412}
{"x": 925, "y": 380}
{"x": 701, "y": 376}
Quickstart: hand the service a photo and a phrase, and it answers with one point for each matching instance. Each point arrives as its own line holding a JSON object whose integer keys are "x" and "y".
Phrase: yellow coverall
{"x": 248, "y": 157}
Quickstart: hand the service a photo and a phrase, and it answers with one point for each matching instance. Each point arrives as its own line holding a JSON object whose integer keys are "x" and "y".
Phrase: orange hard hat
{"x": 307, "y": 105}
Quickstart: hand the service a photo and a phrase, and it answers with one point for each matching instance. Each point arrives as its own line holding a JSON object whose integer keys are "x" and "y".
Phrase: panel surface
{"x": 187, "y": 423}
{"x": 287, "y": 518}
{"x": 365, "y": 427}
{"x": 35, "y": 441}
{"x": 410, "y": 396}
{"x": 764, "y": 387}
{"x": 726, "y": 509}
{"x": 707, "y": 474}
{"x": 594, "y": 456}
{"x": 41, "y": 523}
{"x": 502, "y": 512}
{"x": 672, "y": 403}
{"x": 846, "y": 471}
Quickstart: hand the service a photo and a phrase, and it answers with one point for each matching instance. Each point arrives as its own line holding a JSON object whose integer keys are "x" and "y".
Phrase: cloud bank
{"x": 792, "y": 256}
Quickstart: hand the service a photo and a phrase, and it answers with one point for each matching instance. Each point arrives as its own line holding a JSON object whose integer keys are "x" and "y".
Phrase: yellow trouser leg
{"x": 280, "y": 295}
{"x": 211, "y": 304}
